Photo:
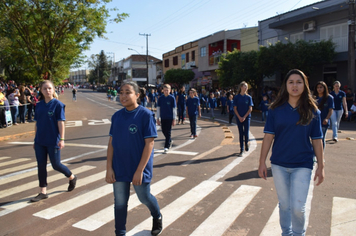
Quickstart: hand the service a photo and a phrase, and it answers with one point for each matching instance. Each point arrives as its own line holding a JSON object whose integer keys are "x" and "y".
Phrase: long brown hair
{"x": 306, "y": 104}
{"x": 325, "y": 93}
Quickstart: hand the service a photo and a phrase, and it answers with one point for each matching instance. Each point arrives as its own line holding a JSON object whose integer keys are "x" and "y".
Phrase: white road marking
{"x": 179, "y": 207}
{"x": 67, "y": 144}
{"x": 177, "y": 152}
{"x": 106, "y": 215}
{"x": 15, "y": 161}
{"x": 34, "y": 184}
{"x": 4, "y": 158}
{"x": 343, "y": 218}
{"x": 201, "y": 155}
{"x": 221, "y": 219}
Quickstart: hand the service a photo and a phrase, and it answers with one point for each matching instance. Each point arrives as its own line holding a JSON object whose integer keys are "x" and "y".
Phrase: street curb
{"x": 14, "y": 136}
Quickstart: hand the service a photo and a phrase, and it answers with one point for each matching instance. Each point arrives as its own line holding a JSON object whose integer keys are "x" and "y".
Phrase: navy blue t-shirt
{"x": 181, "y": 98}
{"x": 47, "y": 116}
{"x": 264, "y": 105}
{"x": 223, "y": 101}
{"x": 128, "y": 130}
{"x": 192, "y": 105}
{"x": 329, "y": 104}
{"x": 166, "y": 104}
{"x": 230, "y": 103}
{"x": 338, "y": 99}
{"x": 292, "y": 147}
{"x": 212, "y": 102}
{"x": 242, "y": 104}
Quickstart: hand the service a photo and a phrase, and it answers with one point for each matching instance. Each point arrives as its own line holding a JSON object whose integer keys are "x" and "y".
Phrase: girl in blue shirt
{"x": 339, "y": 102}
{"x": 181, "y": 99}
{"x": 293, "y": 126}
{"x": 230, "y": 107}
{"x": 243, "y": 107}
{"x": 49, "y": 138}
{"x": 325, "y": 104}
{"x": 193, "y": 109}
{"x": 130, "y": 157}
{"x": 212, "y": 104}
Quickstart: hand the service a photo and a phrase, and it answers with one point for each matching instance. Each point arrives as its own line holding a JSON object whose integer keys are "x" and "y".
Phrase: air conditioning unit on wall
{"x": 309, "y": 26}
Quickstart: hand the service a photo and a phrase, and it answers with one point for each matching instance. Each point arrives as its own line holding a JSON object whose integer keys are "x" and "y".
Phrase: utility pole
{"x": 146, "y": 55}
{"x": 351, "y": 52}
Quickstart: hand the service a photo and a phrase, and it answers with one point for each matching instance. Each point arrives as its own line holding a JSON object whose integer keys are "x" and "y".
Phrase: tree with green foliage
{"x": 178, "y": 76}
{"x": 100, "y": 68}
{"x": 52, "y": 34}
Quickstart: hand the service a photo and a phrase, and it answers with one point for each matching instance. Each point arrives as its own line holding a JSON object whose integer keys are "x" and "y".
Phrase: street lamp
{"x": 146, "y": 64}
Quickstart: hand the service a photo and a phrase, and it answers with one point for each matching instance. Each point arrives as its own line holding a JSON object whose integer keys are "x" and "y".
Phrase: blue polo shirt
{"x": 128, "y": 130}
{"x": 264, "y": 105}
{"x": 329, "y": 104}
{"x": 242, "y": 104}
{"x": 47, "y": 116}
{"x": 192, "y": 105}
{"x": 292, "y": 147}
{"x": 338, "y": 99}
{"x": 230, "y": 103}
{"x": 212, "y": 102}
{"x": 223, "y": 101}
{"x": 166, "y": 104}
{"x": 181, "y": 98}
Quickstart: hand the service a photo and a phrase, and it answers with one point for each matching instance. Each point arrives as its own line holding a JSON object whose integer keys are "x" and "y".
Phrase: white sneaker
{"x": 165, "y": 150}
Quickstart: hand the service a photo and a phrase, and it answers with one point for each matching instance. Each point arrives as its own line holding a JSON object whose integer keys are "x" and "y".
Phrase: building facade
{"x": 319, "y": 21}
{"x": 79, "y": 77}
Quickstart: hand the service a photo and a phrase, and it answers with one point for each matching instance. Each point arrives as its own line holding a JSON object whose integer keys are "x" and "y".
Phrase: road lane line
{"x": 221, "y": 219}
{"x": 4, "y": 158}
{"x": 343, "y": 217}
{"x": 22, "y": 203}
{"x": 177, "y": 152}
{"x": 34, "y": 184}
{"x": 67, "y": 144}
{"x": 179, "y": 207}
{"x": 106, "y": 215}
{"x": 201, "y": 155}
{"x": 15, "y": 161}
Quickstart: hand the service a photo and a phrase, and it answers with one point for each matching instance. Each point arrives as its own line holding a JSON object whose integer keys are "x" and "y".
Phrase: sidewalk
{"x": 27, "y": 130}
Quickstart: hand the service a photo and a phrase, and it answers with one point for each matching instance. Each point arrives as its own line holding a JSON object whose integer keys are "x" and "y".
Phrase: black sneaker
{"x": 156, "y": 226}
{"x": 39, "y": 197}
{"x": 247, "y": 147}
{"x": 72, "y": 183}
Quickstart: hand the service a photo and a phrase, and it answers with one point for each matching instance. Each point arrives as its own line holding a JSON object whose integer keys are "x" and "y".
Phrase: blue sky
{"x": 174, "y": 23}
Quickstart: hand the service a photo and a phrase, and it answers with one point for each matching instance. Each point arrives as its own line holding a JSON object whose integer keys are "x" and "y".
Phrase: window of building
{"x": 187, "y": 57}
{"x": 175, "y": 60}
{"x": 203, "y": 51}
{"x": 166, "y": 63}
{"x": 295, "y": 37}
{"x": 338, "y": 34}
{"x": 270, "y": 41}
{"x": 193, "y": 55}
{"x": 233, "y": 46}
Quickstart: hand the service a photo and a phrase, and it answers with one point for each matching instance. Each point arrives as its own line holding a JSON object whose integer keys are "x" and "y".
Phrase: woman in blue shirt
{"x": 325, "y": 105}
{"x": 242, "y": 108}
{"x": 49, "y": 138}
{"x": 193, "y": 110}
{"x": 130, "y": 157}
{"x": 181, "y": 99}
{"x": 293, "y": 126}
{"x": 339, "y": 102}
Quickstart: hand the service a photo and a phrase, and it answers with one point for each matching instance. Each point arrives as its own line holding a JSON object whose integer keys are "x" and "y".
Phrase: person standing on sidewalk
{"x": 212, "y": 104}
{"x": 130, "y": 157}
{"x": 294, "y": 127}
{"x": 339, "y": 102}
{"x": 325, "y": 105}
{"x": 193, "y": 109}
{"x": 230, "y": 107}
{"x": 242, "y": 108}
{"x": 166, "y": 115}
{"x": 49, "y": 138}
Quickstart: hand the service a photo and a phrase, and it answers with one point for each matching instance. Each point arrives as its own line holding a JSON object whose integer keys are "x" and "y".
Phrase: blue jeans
{"x": 264, "y": 115}
{"x": 121, "y": 197}
{"x": 181, "y": 113}
{"x": 22, "y": 113}
{"x": 244, "y": 129}
{"x": 193, "y": 124}
{"x": 54, "y": 156}
{"x": 14, "y": 113}
{"x": 335, "y": 119}
{"x": 166, "y": 126}
{"x": 292, "y": 186}
{"x": 324, "y": 130}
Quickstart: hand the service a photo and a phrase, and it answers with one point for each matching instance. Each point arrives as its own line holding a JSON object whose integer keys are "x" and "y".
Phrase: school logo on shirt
{"x": 246, "y": 102}
{"x": 133, "y": 128}
{"x": 168, "y": 103}
{"x": 50, "y": 113}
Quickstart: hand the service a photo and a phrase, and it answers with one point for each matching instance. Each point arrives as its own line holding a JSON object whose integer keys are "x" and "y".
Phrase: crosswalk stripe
{"x": 343, "y": 216}
{"x": 4, "y": 158}
{"x": 106, "y": 215}
{"x": 7, "y": 163}
{"x": 181, "y": 205}
{"x": 17, "y": 168}
{"x": 243, "y": 196}
{"x": 33, "y": 184}
{"x": 22, "y": 203}
{"x": 73, "y": 203}
{"x": 201, "y": 155}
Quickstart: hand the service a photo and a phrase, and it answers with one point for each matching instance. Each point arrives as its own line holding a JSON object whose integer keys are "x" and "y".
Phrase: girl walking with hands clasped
{"x": 294, "y": 126}
{"x": 130, "y": 157}
{"x": 49, "y": 138}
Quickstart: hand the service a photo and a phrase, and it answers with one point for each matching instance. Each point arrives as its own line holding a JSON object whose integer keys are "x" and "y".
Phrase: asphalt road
{"x": 202, "y": 186}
